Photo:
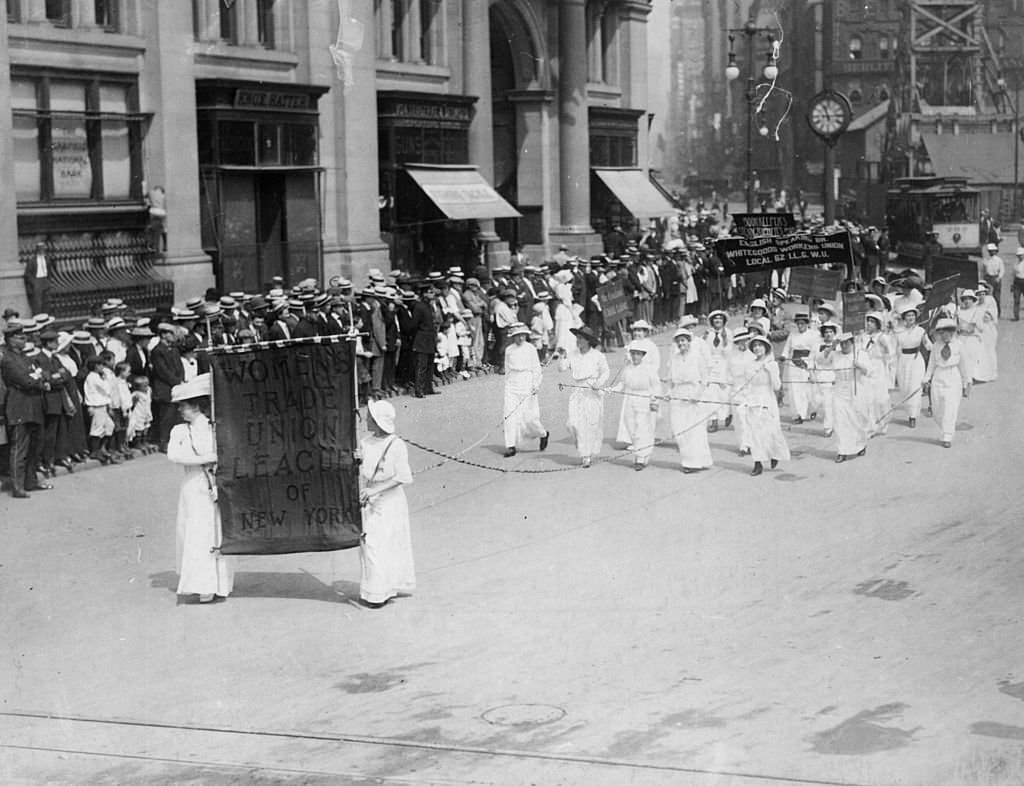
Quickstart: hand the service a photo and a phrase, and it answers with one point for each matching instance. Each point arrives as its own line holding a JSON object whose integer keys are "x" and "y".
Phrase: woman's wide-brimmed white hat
{"x": 518, "y": 329}
{"x": 945, "y": 324}
{"x": 636, "y": 346}
{"x": 642, "y": 324}
{"x": 760, "y": 340}
{"x": 383, "y": 415}
{"x": 194, "y": 388}
{"x": 682, "y": 333}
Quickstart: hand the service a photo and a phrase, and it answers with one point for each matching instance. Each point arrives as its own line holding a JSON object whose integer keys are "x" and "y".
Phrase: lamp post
{"x": 732, "y": 72}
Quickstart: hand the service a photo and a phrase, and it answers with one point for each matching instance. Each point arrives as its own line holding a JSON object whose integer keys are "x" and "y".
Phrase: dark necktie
{"x": 870, "y": 342}
{"x": 945, "y": 352}
{"x": 718, "y": 341}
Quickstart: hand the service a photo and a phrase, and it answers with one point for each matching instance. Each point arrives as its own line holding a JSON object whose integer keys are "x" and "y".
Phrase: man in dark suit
{"x": 53, "y": 400}
{"x": 167, "y": 371}
{"x": 137, "y": 355}
{"x": 424, "y": 342}
{"x": 405, "y": 369}
{"x": 37, "y": 280}
{"x": 24, "y": 410}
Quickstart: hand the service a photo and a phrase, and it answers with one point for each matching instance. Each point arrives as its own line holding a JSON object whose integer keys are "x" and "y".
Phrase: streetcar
{"x": 933, "y": 226}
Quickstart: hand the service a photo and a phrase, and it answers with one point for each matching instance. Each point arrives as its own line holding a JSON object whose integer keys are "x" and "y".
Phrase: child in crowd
{"x": 121, "y": 409}
{"x": 442, "y": 362}
{"x": 141, "y": 417}
{"x": 464, "y": 338}
{"x": 540, "y": 329}
{"x": 97, "y": 399}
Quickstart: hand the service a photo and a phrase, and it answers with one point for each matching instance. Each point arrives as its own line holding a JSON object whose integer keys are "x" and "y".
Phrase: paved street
{"x": 821, "y": 624}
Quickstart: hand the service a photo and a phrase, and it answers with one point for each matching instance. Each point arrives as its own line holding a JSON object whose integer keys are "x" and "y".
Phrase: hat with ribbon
{"x": 81, "y": 338}
{"x": 14, "y": 327}
{"x": 195, "y": 388}
{"x": 636, "y": 346}
{"x": 95, "y": 323}
{"x": 642, "y": 324}
{"x": 518, "y": 329}
{"x": 587, "y": 334}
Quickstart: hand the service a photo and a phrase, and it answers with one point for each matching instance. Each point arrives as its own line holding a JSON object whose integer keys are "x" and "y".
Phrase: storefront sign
{"x": 810, "y": 282}
{"x": 246, "y": 98}
{"x": 286, "y": 471}
{"x": 764, "y": 224}
{"x": 742, "y": 255}
{"x": 615, "y": 303}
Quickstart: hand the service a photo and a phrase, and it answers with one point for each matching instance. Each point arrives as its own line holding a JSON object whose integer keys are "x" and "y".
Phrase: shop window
{"x": 883, "y": 47}
{"x": 398, "y": 9}
{"x": 856, "y": 47}
{"x": 245, "y": 143}
{"x": 270, "y": 144}
{"x": 237, "y": 142}
{"x": 13, "y": 11}
{"x": 75, "y": 140}
{"x": 265, "y": 23}
{"x": 299, "y": 144}
{"x": 58, "y": 12}
{"x": 107, "y": 14}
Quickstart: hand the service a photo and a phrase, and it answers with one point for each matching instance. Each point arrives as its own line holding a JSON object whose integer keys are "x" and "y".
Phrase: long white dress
{"x": 385, "y": 554}
{"x": 971, "y": 328}
{"x": 875, "y": 349}
{"x": 850, "y": 402}
{"x": 763, "y": 427}
{"x": 947, "y": 376}
{"x": 640, "y": 384}
{"x": 989, "y": 364}
{"x": 198, "y": 525}
{"x": 718, "y": 373}
{"x": 799, "y": 346}
{"x": 688, "y": 379}
{"x": 910, "y": 367}
{"x": 590, "y": 372}
{"x": 823, "y": 387}
{"x": 741, "y": 370}
{"x": 652, "y": 359}
{"x": 522, "y": 408}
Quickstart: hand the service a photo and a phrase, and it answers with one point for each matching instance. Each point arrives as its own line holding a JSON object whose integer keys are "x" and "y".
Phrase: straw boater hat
{"x": 718, "y": 313}
{"x": 945, "y": 324}
{"x": 81, "y": 338}
{"x": 586, "y": 333}
{"x": 803, "y": 316}
{"x": 642, "y": 324}
{"x": 194, "y": 388}
{"x": 758, "y": 303}
{"x": 16, "y": 326}
{"x": 826, "y": 306}
{"x": 910, "y": 310}
{"x": 844, "y": 337}
{"x": 875, "y": 301}
{"x": 518, "y": 329}
{"x": 968, "y": 293}
{"x": 682, "y": 333}
{"x": 741, "y": 335}
{"x": 636, "y": 346}
{"x": 760, "y": 340}
{"x": 829, "y": 326}
{"x": 875, "y": 316}
{"x": 383, "y": 414}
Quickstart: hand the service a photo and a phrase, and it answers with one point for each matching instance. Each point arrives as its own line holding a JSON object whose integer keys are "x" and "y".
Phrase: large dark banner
{"x": 743, "y": 255}
{"x": 285, "y": 420}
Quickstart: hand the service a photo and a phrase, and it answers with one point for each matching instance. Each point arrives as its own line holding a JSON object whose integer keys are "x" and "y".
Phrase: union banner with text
{"x": 285, "y": 418}
{"x": 749, "y": 255}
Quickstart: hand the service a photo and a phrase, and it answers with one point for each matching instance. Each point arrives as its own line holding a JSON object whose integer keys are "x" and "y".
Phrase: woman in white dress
{"x": 764, "y": 429}
{"x": 875, "y": 348}
{"x": 796, "y": 354}
{"x": 912, "y": 343}
{"x": 719, "y": 340}
{"x": 202, "y": 569}
{"x": 850, "y": 399}
{"x": 641, "y": 331}
{"x": 522, "y": 381}
{"x": 971, "y": 326}
{"x": 589, "y": 370}
{"x": 989, "y": 364}
{"x": 385, "y": 553}
{"x": 688, "y": 379}
{"x": 947, "y": 378}
{"x": 641, "y": 388}
{"x": 823, "y": 377}
{"x": 741, "y": 370}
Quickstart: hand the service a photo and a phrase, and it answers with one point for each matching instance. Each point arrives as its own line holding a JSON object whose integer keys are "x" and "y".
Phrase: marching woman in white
{"x": 971, "y": 325}
{"x": 688, "y": 379}
{"x": 385, "y": 554}
{"x": 989, "y": 365}
{"x": 718, "y": 339}
{"x": 875, "y": 349}
{"x": 741, "y": 370}
{"x": 763, "y": 426}
{"x": 947, "y": 378}
{"x": 824, "y": 377}
{"x": 202, "y": 570}
{"x": 759, "y": 317}
{"x": 911, "y": 343}
{"x": 641, "y": 388}
{"x": 641, "y": 331}
{"x": 796, "y": 353}
{"x": 522, "y": 381}
{"x": 850, "y": 399}
{"x": 590, "y": 373}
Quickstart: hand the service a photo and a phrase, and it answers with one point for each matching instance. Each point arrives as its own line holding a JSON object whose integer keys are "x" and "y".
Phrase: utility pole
{"x": 828, "y": 178}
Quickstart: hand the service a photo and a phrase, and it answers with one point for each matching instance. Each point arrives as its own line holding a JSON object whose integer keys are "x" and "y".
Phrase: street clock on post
{"x": 829, "y": 115}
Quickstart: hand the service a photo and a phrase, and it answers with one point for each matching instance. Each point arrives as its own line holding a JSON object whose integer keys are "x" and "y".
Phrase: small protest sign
{"x": 287, "y": 477}
{"x": 810, "y": 282}
{"x": 855, "y": 308}
{"x": 616, "y": 305}
{"x": 752, "y": 225}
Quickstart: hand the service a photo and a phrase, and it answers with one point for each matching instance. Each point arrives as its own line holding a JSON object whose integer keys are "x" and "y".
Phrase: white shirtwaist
{"x": 850, "y": 402}
{"x": 522, "y": 381}
{"x": 910, "y": 367}
{"x": 640, "y": 384}
{"x": 764, "y": 429}
{"x": 688, "y": 377}
{"x": 947, "y": 376}
{"x": 652, "y": 358}
{"x": 586, "y": 404}
{"x": 799, "y": 346}
{"x": 741, "y": 370}
{"x": 718, "y": 372}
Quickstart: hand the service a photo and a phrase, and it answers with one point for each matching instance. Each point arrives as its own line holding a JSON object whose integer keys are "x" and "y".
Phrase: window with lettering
{"x": 75, "y": 139}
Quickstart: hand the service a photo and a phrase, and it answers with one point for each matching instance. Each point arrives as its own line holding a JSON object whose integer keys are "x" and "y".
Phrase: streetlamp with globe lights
{"x": 770, "y": 72}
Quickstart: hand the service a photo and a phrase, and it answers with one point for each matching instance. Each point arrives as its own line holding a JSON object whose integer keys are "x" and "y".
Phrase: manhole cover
{"x": 523, "y": 714}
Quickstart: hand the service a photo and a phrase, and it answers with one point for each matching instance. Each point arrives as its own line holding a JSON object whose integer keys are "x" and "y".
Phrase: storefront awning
{"x": 636, "y": 192}
{"x": 460, "y": 192}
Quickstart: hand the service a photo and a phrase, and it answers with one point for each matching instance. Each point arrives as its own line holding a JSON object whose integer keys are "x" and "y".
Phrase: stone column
{"x": 167, "y": 88}
{"x": 83, "y": 13}
{"x": 633, "y": 30}
{"x": 476, "y": 64}
{"x": 12, "y": 288}
{"x": 33, "y": 11}
{"x": 574, "y": 131}
{"x": 348, "y": 153}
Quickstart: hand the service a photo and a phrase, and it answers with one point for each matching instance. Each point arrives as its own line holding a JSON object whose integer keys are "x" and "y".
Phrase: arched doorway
{"x": 515, "y": 77}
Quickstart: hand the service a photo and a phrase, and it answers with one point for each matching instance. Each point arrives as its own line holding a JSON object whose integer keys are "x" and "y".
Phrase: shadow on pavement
{"x": 249, "y": 584}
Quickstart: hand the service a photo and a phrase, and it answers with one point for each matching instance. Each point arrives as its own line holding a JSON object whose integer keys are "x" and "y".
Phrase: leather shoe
{"x": 40, "y": 487}
{"x": 840, "y": 458}
{"x": 913, "y": 423}
{"x": 544, "y": 441}
{"x": 757, "y": 470}
{"x": 862, "y": 452}
{"x": 774, "y": 464}
{"x": 509, "y": 452}
{"x": 19, "y": 494}
{"x": 947, "y": 443}
{"x": 66, "y": 463}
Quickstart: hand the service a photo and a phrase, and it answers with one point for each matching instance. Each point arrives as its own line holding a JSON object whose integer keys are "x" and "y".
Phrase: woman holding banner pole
{"x": 385, "y": 554}
{"x": 202, "y": 570}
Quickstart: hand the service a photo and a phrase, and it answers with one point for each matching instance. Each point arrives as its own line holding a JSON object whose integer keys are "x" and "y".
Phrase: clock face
{"x": 829, "y": 115}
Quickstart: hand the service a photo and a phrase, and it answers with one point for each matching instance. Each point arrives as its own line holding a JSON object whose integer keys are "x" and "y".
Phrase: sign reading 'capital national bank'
{"x": 743, "y": 255}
